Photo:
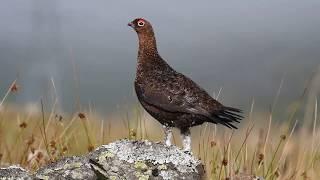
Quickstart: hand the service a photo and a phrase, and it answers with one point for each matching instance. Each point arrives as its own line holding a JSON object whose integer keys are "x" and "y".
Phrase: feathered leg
{"x": 168, "y": 135}
{"x": 186, "y": 139}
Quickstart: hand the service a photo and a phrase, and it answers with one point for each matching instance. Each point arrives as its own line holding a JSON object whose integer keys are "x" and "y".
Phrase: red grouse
{"x": 169, "y": 96}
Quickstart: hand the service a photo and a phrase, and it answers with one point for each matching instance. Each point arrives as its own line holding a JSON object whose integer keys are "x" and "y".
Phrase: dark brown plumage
{"x": 169, "y": 96}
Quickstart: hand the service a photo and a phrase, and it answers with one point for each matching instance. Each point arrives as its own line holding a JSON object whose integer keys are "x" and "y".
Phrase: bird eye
{"x": 141, "y": 23}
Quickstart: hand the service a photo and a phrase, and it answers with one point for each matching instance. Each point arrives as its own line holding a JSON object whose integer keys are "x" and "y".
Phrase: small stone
{"x": 114, "y": 169}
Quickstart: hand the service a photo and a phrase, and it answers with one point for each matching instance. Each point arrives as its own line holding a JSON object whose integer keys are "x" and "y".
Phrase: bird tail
{"x": 227, "y": 116}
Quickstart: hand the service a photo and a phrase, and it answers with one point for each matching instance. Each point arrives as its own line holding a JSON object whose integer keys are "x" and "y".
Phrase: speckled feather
{"x": 169, "y": 96}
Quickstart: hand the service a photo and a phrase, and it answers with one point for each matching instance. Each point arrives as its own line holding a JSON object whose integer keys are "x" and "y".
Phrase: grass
{"x": 263, "y": 145}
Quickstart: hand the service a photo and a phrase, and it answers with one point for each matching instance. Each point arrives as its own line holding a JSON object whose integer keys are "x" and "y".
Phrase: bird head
{"x": 141, "y": 26}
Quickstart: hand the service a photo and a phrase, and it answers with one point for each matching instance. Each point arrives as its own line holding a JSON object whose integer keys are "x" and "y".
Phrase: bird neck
{"x": 147, "y": 46}
{"x": 148, "y": 56}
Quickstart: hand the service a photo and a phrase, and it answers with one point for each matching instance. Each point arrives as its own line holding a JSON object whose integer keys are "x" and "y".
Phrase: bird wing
{"x": 177, "y": 93}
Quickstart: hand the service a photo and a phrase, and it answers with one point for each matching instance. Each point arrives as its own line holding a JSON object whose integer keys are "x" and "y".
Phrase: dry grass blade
{"x": 8, "y": 92}
{"x": 43, "y": 130}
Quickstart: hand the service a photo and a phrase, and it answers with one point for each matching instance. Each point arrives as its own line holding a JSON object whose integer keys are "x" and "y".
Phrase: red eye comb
{"x": 140, "y": 19}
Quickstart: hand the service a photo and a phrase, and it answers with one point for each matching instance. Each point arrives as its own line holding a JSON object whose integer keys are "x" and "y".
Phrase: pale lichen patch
{"x": 141, "y": 176}
{"x": 162, "y": 167}
{"x": 72, "y": 165}
{"x": 168, "y": 175}
{"x": 113, "y": 178}
{"x": 140, "y": 165}
{"x": 104, "y": 155}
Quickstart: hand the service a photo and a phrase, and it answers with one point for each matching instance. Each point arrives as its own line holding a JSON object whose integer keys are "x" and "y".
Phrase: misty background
{"x": 244, "y": 47}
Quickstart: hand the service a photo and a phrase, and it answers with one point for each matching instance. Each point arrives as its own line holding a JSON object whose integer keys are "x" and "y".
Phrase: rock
{"x": 144, "y": 160}
{"x": 15, "y": 173}
{"x": 67, "y": 168}
{"x": 123, "y": 159}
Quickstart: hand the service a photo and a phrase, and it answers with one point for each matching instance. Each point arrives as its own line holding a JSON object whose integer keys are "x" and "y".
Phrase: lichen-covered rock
{"x": 67, "y": 168}
{"x": 123, "y": 159}
{"x": 144, "y": 160}
{"x": 14, "y": 173}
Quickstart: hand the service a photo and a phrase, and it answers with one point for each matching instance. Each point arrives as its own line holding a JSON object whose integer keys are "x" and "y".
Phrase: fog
{"x": 244, "y": 47}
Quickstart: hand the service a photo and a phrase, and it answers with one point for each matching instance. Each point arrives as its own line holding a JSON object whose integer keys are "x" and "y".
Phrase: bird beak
{"x": 131, "y": 24}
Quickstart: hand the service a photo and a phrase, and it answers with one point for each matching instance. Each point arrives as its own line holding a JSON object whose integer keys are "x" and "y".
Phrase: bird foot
{"x": 186, "y": 141}
{"x": 168, "y": 136}
{"x": 168, "y": 142}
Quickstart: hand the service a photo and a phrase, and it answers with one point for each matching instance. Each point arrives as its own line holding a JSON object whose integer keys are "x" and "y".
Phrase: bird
{"x": 170, "y": 97}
